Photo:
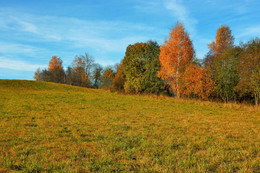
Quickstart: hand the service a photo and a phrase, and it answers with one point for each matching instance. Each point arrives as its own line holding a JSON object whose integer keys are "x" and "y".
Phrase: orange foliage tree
{"x": 37, "y": 74}
{"x": 198, "y": 82}
{"x": 176, "y": 53}
{"x": 56, "y": 70}
{"x": 221, "y": 63}
{"x": 55, "y": 63}
{"x": 119, "y": 79}
{"x": 224, "y": 39}
{"x": 108, "y": 77}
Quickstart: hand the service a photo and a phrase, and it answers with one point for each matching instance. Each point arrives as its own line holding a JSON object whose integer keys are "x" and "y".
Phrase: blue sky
{"x": 32, "y": 31}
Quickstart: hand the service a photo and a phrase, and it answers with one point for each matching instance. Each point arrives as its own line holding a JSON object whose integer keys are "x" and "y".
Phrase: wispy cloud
{"x": 26, "y": 26}
{"x": 108, "y": 35}
{"x": 18, "y": 64}
{"x": 181, "y": 13}
{"x": 33, "y": 35}
{"x": 148, "y": 6}
{"x": 9, "y": 48}
{"x": 249, "y": 32}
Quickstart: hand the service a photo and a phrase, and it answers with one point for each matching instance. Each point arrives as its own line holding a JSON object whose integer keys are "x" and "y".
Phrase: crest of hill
{"x": 27, "y": 85}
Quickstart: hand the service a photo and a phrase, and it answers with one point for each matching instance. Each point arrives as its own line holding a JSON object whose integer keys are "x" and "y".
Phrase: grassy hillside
{"x": 53, "y": 127}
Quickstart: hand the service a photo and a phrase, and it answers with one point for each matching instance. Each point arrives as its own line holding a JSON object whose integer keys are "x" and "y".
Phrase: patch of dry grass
{"x": 53, "y": 127}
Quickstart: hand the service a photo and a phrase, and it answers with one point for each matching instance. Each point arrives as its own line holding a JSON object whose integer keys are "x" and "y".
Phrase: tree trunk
{"x": 227, "y": 99}
{"x": 256, "y": 98}
{"x": 177, "y": 78}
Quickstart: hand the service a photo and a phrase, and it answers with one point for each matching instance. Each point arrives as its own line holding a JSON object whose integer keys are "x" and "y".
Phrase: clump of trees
{"x": 180, "y": 69}
{"x": 54, "y": 73}
{"x": 83, "y": 72}
{"x": 228, "y": 72}
{"x": 235, "y": 69}
{"x": 248, "y": 70}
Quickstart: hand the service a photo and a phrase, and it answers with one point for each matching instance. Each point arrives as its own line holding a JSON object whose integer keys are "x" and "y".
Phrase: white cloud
{"x": 18, "y": 65}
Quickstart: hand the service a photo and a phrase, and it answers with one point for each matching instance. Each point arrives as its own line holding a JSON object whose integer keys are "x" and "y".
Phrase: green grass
{"x": 47, "y": 127}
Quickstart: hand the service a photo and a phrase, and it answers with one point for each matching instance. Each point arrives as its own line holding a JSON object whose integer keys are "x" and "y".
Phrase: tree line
{"x": 227, "y": 73}
{"x": 83, "y": 72}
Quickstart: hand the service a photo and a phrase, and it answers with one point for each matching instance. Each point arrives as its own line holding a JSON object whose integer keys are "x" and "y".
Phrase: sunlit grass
{"x": 53, "y": 127}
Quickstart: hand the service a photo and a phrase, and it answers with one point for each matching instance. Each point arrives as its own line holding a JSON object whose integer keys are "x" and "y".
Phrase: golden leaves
{"x": 55, "y": 63}
{"x": 175, "y": 54}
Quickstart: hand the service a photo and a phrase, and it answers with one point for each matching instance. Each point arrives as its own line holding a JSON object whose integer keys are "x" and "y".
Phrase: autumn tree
{"x": 207, "y": 84}
{"x": 57, "y": 73}
{"x": 224, "y": 39}
{"x": 79, "y": 75}
{"x": 119, "y": 79}
{"x": 226, "y": 73}
{"x": 69, "y": 76}
{"x": 221, "y": 61}
{"x": 37, "y": 74}
{"x": 45, "y": 75}
{"x": 249, "y": 70}
{"x": 97, "y": 75}
{"x": 107, "y": 78}
{"x": 82, "y": 67}
{"x": 197, "y": 82}
{"x": 176, "y": 53}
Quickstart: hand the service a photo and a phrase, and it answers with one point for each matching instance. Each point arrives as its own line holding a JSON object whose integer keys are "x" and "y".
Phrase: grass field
{"x": 47, "y": 127}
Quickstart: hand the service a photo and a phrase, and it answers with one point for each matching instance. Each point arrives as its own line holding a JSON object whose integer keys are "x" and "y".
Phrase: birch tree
{"x": 176, "y": 53}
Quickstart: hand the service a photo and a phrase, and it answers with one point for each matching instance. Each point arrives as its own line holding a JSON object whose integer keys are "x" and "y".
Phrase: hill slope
{"x": 55, "y": 127}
